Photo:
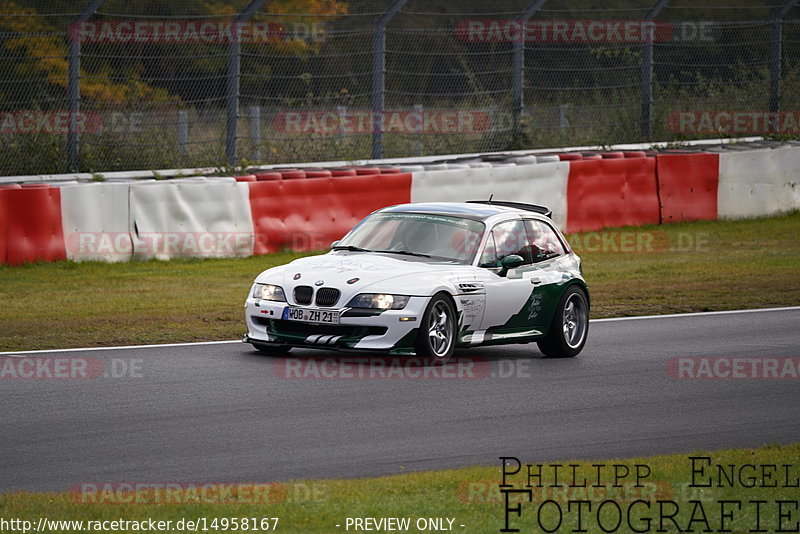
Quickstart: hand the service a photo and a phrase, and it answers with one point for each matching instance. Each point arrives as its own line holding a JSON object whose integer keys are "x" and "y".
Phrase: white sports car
{"x": 428, "y": 278}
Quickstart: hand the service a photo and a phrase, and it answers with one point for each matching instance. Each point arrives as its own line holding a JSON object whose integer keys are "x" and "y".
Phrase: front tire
{"x": 570, "y": 325}
{"x": 437, "y": 334}
{"x": 269, "y": 349}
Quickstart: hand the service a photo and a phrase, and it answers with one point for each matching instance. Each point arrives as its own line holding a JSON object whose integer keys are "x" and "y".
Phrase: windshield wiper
{"x": 351, "y": 248}
{"x": 404, "y": 252}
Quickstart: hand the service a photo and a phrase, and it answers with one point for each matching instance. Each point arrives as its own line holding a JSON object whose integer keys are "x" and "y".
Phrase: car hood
{"x": 354, "y": 272}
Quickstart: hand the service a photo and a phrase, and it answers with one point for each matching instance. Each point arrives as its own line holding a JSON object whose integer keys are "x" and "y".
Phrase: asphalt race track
{"x": 221, "y": 412}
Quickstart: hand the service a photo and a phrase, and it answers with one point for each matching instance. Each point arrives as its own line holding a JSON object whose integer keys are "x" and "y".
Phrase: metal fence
{"x": 111, "y": 84}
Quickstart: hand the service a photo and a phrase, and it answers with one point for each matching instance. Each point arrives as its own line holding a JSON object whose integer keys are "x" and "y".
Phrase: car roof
{"x": 474, "y": 211}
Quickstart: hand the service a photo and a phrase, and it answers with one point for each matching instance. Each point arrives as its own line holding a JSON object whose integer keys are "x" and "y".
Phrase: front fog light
{"x": 269, "y": 292}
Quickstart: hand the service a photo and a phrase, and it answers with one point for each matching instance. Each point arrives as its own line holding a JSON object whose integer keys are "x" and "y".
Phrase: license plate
{"x": 310, "y": 315}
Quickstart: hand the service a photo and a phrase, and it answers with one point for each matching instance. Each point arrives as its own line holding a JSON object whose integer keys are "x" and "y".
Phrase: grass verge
{"x": 701, "y": 266}
{"x": 470, "y": 497}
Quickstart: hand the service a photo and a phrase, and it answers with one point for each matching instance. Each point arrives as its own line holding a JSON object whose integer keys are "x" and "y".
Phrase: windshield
{"x": 439, "y": 237}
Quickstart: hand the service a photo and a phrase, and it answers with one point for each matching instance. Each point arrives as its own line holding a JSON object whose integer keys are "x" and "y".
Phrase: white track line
{"x": 200, "y": 343}
{"x": 695, "y": 314}
{"x": 124, "y": 347}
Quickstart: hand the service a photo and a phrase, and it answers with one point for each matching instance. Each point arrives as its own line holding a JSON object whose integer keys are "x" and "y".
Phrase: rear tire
{"x": 268, "y": 349}
{"x": 437, "y": 334}
{"x": 570, "y": 326}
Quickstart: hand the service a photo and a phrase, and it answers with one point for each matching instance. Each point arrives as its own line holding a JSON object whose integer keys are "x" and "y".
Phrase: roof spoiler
{"x": 547, "y": 212}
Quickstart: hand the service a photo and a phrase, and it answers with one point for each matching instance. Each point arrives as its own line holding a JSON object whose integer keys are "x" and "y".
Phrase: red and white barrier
{"x": 31, "y": 224}
{"x": 612, "y": 192}
{"x": 306, "y": 209}
{"x": 4, "y": 222}
{"x": 309, "y": 214}
{"x": 759, "y": 182}
{"x": 540, "y": 183}
{"x": 191, "y": 219}
{"x": 95, "y": 218}
{"x": 687, "y": 186}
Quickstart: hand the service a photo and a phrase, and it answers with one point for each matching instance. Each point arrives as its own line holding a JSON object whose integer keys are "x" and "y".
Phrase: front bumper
{"x": 393, "y": 331}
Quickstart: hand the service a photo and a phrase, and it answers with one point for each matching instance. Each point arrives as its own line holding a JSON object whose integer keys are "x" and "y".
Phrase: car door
{"x": 508, "y": 296}
{"x": 546, "y": 272}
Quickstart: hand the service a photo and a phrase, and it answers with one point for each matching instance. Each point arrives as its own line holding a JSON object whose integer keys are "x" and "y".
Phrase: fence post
{"x": 419, "y": 111}
{"x": 379, "y": 77}
{"x": 775, "y": 50}
{"x": 775, "y": 55}
{"x": 183, "y": 131}
{"x": 255, "y": 131}
{"x": 341, "y": 115}
{"x": 563, "y": 121}
{"x": 234, "y": 66}
{"x": 647, "y": 73}
{"x": 74, "y": 33}
{"x": 234, "y": 73}
{"x": 518, "y": 65}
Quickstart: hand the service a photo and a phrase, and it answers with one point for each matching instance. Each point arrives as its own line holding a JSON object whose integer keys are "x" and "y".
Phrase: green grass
{"x": 729, "y": 265}
{"x": 738, "y": 264}
{"x": 470, "y": 496}
{"x": 68, "y": 304}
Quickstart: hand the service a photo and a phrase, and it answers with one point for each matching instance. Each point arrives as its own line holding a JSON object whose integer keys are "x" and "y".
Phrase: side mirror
{"x": 512, "y": 261}
{"x": 335, "y": 243}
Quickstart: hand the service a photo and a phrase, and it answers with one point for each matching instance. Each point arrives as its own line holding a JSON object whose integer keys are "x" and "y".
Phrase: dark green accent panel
{"x": 297, "y": 333}
{"x": 406, "y": 344}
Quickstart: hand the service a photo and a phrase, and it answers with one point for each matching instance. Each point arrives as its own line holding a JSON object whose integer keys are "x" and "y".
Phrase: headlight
{"x": 269, "y": 292}
{"x": 379, "y": 301}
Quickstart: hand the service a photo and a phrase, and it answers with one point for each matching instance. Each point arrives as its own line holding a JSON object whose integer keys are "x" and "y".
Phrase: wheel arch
{"x": 584, "y": 286}
{"x": 450, "y": 291}
{"x": 571, "y": 283}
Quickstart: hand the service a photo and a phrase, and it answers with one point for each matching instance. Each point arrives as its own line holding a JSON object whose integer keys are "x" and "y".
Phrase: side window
{"x": 545, "y": 244}
{"x": 510, "y": 237}
{"x": 489, "y": 255}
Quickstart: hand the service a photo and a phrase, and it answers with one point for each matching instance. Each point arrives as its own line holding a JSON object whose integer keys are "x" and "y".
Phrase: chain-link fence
{"x": 101, "y": 85}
